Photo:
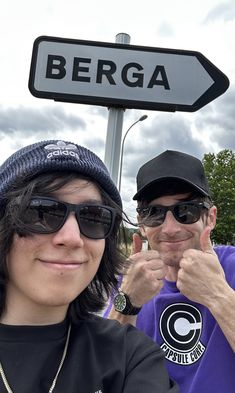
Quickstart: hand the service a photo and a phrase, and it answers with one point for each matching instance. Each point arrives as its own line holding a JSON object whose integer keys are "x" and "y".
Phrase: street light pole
{"x": 122, "y": 149}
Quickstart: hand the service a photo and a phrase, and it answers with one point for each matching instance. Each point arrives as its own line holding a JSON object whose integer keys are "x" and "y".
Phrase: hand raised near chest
{"x": 201, "y": 276}
{"x": 143, "y": 278}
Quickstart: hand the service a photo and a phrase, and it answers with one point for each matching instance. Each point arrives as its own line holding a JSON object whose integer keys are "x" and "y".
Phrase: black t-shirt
{"x": 103, "y": 357}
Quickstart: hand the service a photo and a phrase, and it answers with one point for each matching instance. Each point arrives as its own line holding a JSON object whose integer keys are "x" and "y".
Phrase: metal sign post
{"x": 114, "y": 130}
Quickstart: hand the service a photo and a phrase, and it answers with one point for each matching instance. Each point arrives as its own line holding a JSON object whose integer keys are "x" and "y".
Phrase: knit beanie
{"x": 54, "y": 155}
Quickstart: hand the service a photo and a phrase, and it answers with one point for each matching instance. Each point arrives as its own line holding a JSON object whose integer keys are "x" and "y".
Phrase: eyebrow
{"x": 189, "y": 198}
{"x": 93, "y": 201}
{"x": 85, "y": 201}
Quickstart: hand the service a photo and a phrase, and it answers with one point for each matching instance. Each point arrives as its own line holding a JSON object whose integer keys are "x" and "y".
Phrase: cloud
{"x": 44, "y": 120}
{"x": 167, "y": 131}
{"x": 224, "y": 12}
{"x": 219, "y": 121}
{"x": 165, "y": 30}
{"x": 20, "y": 126}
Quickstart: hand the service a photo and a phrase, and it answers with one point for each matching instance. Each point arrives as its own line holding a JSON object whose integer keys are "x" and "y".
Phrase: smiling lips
{"x": 173, "y": 244}
{"x": 173, "y": 241}
{"x": 62, "y": 265}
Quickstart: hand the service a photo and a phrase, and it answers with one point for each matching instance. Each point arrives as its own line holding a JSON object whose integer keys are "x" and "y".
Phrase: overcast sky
{"x": 206, "y": 26}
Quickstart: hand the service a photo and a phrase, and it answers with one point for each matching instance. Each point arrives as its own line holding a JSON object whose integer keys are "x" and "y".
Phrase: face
{"x": 51, "y": 270}
{"x": 172, "y": 238}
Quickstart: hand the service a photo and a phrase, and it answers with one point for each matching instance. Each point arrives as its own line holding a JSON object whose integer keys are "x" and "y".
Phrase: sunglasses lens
{"x": 44, "y": 215}
{"x": 95, "y": 222}
{"x": 187, "y": 213}
{"x": 153, "y": 216}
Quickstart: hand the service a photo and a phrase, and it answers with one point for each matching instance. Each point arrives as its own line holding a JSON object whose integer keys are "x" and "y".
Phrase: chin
{"x": 171, "y": 258}
{"x": 58, "y": 299}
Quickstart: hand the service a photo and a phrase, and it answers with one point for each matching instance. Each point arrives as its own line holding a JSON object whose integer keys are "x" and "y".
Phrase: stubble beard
{"x": 171, "y": 258}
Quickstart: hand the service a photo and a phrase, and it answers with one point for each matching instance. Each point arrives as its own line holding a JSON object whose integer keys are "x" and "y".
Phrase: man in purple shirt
{"x": 180, "y": 292}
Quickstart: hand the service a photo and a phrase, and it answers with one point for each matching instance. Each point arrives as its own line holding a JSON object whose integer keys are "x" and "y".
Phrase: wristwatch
{"x": 123, "y": 304}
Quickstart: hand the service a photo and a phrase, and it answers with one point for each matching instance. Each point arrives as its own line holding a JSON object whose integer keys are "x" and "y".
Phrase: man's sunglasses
{"x": 48, "y": 215}
{"x": 184, "y": 212}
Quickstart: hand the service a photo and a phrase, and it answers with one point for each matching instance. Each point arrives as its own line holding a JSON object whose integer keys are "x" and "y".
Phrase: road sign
{"x": 123, "y": 75}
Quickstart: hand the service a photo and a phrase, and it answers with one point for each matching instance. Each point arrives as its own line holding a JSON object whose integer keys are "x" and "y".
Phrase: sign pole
{"x": 114, "y": 129}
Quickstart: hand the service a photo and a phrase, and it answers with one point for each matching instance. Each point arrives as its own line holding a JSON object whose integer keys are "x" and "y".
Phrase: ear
{"x": 211, "y": 217}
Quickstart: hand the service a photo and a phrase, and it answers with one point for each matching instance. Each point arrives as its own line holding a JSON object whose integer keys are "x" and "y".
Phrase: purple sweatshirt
{"x": 199, "y": 358}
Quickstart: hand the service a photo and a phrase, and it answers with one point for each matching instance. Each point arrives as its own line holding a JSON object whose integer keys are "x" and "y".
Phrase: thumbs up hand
{"x": 205, "y": 241}
{"x": 144, "y": 276}
{"x": 136, "y": 243}
{"x": 201, "y": 276}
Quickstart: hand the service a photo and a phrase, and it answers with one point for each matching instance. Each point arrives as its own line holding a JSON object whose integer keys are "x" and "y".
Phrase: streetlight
{"x": 122, "y": 149}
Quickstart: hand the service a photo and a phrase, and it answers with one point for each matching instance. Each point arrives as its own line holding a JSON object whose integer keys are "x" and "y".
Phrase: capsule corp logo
{"x": 181, "y": 327}
{"x": 62, "y": 149}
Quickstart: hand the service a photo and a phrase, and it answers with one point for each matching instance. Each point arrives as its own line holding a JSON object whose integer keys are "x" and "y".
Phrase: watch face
{"x": 119, "y": 302}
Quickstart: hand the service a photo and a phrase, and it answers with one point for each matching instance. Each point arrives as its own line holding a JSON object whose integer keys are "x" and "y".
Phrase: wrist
{"x": 224, "y": 299}
{"x": 123, "y": 319}
{"x": 123, "y": 304}
{"x": 128, "y": 290}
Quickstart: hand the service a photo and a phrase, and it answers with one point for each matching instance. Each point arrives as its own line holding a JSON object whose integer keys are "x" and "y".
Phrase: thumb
{"x": 136, "y": 243}
{"x": 205, "y": 241}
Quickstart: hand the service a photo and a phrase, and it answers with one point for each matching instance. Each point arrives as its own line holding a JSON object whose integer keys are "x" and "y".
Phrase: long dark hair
{"x": 94, "y": 297}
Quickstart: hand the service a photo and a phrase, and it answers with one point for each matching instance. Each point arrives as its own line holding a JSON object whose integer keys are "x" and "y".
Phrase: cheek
{"x": 198, "y": 227}
{"x": 151, "y": 234}
{"x": 96, "y": 248}
{"x": 28, "y": 241}
{"x": 102, "y": 248}
{"x": 22, "y": 250}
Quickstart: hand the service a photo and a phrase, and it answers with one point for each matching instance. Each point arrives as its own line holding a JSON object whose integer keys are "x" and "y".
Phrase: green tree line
{"x": 220, "y": 171}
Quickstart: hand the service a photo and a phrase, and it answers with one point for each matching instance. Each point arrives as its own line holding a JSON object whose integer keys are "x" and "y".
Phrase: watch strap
{"x": 129, "y": 308}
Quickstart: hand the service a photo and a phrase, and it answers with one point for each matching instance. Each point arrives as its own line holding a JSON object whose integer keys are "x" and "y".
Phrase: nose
{"x": 170, "y": 225}
{"x": 69, "y": 234}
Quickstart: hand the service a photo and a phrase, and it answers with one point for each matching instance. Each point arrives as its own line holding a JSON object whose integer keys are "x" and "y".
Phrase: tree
{"x": 220, "y": 171}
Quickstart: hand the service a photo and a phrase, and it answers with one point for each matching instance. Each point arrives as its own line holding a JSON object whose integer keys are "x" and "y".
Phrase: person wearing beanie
{"x": 60, "y": 217}
{"x": 181, "y": 288}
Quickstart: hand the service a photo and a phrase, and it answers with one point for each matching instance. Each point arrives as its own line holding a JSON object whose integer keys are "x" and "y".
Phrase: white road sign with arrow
{"x": 123, "y": 75}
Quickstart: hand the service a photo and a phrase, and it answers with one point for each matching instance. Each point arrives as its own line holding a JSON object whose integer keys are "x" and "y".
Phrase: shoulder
{"x": 226, "y": 255}
{"x": 130, "y": 360}
{"x": 223, "y": 248}
{"x": 115, "y": 334}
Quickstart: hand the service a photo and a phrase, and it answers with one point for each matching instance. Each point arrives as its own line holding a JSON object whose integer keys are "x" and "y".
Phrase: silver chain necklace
{"x": 5, "y": 381}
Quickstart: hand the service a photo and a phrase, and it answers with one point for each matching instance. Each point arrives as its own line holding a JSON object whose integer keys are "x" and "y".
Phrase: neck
{"x": 11, "y": 319}
{"x": 172, "y": 273}
{"x": 21, "y": 310}
{"x": 40, "y": 315}
{"x": 8, "y": 319}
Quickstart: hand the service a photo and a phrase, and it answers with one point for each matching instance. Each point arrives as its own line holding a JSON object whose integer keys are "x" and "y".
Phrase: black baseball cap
{"x": 170, "y": 166}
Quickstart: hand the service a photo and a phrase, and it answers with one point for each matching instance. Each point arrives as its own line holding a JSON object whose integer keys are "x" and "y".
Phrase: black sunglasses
{"x": 184, "y": 212}
{"x": 48, "y": 215}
